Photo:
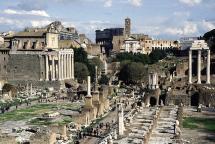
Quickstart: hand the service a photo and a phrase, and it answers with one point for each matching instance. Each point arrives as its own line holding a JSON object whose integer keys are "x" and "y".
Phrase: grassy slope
{"x": 199, "y": 123}
{"x": 24, "y": 114}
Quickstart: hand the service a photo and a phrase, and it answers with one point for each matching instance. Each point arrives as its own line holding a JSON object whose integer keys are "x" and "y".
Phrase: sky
{"x": 160, "y": 19}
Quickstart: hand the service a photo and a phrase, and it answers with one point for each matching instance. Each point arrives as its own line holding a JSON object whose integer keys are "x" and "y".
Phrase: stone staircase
{"x": 163, "y": 133}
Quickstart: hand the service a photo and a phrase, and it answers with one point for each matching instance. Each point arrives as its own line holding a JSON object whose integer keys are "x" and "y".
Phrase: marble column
{"x": 53, "y": 69}
{"x": 96, "y": 74}
{"x": 73, "y": 73}
{"x": 62, "y": 70}
{"x": 47, "y": 67}
{"x": 120, "y": 119}
{"x": 88, "y": 86}
{"x": 64, "y": 67}
{"x": 190, "y": 66}
{"x": 59, "y": 68}
{"x": 199, "y": 67}
{"x": 67, "y": 66}
{"x": 70, "y": 66}
{"x": 208, "y": 67}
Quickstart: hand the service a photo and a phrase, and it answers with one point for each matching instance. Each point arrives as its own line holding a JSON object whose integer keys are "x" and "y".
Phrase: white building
{"x": 132, "y": 45}
{"x": 186, "y": 42}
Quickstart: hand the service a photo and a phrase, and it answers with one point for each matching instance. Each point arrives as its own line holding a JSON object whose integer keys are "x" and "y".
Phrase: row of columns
{"x": 153, "y": 81}
{"x": 199, "y": 67}
{"x": 63, "y": 69}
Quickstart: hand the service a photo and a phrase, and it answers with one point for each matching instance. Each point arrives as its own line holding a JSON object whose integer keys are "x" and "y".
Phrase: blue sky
{"x": 161, "y": 19}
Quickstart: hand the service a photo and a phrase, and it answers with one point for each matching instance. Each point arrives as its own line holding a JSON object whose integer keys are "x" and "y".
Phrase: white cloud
{"x": 136, "y": 3}
{"x": 108, "y": 3}
{"x": 191, "y": 2}
{"x": 189, "y": 28}
{"x": 39, "y": 23}
{"x": 208, "y": 25}
{"x": 23, "y": 12}
{"x": 13, "y": 23}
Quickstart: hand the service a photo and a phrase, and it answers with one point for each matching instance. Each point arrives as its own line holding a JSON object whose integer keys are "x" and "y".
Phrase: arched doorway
{"x": 195, "y": 99}
{"x": 163, "y": 99}
{"x": 153, "y": 101}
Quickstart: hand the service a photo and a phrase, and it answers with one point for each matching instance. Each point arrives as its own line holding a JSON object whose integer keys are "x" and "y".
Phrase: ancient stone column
{"x": 190, "y": 66}
{"x": 47, "y": 67}
{"x": 70, "y": 66}
{"x": 53, "y": 69}
{"x": 67, "y": 66}
{"x": 120, "y": 119}
{"x": 59, "y": 68}
{"x": 208, "y": 67}
{"x": 88, "y": 86}
{"x": 73, "y": 73}
{"x": 199, "y": 67}
{"x": 62, "y": 67}
{"x": 96, "y": 74}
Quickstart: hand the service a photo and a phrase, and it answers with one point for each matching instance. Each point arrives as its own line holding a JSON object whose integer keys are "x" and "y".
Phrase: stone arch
{"x": 194, "y": 99}
{"x": 153, "y": 101}
{"x": 162, "y": 98}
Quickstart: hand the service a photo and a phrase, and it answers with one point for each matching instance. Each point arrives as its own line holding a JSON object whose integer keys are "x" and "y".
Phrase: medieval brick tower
{"x": 127, "y": 27}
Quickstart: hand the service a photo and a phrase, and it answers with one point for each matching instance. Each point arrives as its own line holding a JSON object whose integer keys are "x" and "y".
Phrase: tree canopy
{"x": 80, "y": 56}
{"x": 104, "y": 80}
{"x": 210, "y": 38}
{"x": 157, "y": 55}
{"x": 81, "y": 71}
{"x": 153, "y": 57}
{"x": 131, "y": 72}
{"x": 97, "y": 62}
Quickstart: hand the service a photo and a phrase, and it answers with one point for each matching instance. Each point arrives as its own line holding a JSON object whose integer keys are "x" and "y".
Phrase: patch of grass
{"x": 199, "y": 123}
{"x": 36, "y": 110}
{"x": 64, "y": 121}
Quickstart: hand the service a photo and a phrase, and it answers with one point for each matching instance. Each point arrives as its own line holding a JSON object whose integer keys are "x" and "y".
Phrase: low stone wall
{"x": 39, "y": 84}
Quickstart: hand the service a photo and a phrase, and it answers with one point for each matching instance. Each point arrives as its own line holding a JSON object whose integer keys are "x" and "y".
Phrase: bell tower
{"x": 127, "y": 31}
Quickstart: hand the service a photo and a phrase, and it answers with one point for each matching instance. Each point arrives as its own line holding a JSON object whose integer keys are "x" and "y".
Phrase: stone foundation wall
{"x": 25, "y": 67}
{"x": 38, "y": 84}
{"x": 178, "y": 99}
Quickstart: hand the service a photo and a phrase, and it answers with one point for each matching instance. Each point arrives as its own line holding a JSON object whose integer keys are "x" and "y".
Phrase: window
{"x": 25, "y": 45}
{"x": 4, "y": 58}
{"x": 34, "y": 45}
{"x": 5, "y": 67}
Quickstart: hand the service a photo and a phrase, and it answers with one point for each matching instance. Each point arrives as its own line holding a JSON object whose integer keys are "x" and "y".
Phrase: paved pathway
{"x": 163, "y": 133}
